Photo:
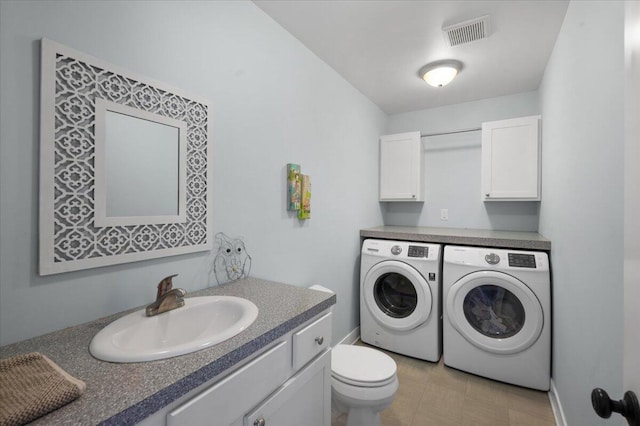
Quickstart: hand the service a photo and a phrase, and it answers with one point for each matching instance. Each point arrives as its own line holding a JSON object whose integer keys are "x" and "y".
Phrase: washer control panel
{"x": 418, "y": 251}
{"x": 413, "y": 251}
{"x": 522, "y": 260}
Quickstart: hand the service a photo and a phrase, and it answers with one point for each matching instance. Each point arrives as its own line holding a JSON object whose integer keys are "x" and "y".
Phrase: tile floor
{"x": 433, "y": 394}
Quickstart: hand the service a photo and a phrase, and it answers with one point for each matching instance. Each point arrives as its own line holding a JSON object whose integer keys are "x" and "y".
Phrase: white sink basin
{"x": 200, "y": 323}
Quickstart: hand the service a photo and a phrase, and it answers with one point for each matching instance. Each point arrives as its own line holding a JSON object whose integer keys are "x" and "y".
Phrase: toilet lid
{"x": 362, "y": 366}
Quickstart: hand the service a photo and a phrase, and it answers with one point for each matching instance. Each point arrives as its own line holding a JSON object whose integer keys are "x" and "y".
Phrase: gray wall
{"x": 582, "y": 210}
{"x": 273, "y": 102}
{"x": 452, "y": 167}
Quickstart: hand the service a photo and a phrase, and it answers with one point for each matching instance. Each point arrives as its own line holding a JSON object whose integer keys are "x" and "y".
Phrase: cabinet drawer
{"x": 231, "y": 397}
{"x": 311, "y": 340}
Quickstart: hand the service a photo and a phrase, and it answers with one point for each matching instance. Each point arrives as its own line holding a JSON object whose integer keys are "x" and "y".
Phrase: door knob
{"x": 628, "y": 406}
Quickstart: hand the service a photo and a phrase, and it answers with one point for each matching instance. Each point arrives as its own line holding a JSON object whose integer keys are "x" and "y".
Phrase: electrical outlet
{"x": 444, "y": 214}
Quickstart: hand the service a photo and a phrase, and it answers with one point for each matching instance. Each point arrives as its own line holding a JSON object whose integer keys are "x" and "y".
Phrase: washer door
{"x": 495, "y": 312}
{"x": 397, "y": 295}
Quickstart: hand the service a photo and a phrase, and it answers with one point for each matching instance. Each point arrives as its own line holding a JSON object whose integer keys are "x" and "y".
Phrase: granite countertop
{"x": 127, "y": 393}
{"x": 461, "y": 236}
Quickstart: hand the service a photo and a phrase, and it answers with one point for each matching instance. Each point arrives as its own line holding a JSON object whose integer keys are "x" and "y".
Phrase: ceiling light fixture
{"x": 440, "y": 73}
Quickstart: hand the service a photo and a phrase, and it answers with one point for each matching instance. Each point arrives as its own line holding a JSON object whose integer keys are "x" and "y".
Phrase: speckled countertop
{"x": 127, "y": 393}
{"x": 461, "y": 236}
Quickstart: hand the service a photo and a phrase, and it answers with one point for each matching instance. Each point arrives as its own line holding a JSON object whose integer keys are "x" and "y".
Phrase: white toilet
{"x": 363, "y": 381}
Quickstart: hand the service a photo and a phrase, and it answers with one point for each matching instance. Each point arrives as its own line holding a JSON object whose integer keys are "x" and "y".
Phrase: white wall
{"x": 631, "y": 369}
{"x": 452, "y": 163}
{"x": 273, "y": 102}
{"x": 582, "y": 210}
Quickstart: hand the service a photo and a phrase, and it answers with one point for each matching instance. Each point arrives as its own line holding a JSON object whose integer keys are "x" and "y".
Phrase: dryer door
{"x": 397, "y": 295}
{"x": 495, "y": 312}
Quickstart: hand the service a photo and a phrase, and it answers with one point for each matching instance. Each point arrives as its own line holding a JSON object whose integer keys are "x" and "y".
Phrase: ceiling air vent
{"x": 467, "y": 31}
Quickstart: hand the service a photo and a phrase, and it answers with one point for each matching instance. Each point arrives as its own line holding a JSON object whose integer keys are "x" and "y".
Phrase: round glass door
{"x": 494, "y": 311}
{"x": 396, "y": 295}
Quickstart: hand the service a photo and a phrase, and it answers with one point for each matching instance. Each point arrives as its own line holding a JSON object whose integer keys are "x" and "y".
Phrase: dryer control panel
{"x": 522, "y": 260}
{"x": 497, "y": 259}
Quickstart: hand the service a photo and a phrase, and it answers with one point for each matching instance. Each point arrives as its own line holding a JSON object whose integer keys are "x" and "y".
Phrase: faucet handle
{"x": 165, "y": 285}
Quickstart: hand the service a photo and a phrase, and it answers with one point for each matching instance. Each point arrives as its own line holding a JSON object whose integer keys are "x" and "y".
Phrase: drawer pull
{"x": 320, "y": 340}
{"x": 260, "y": 422}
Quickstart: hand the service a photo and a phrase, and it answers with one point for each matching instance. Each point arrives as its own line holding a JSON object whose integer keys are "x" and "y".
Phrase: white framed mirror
{"x": 125, "y": 165}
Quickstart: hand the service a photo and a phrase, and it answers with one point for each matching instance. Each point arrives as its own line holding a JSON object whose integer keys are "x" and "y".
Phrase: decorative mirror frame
{"x": 71, "y": 82}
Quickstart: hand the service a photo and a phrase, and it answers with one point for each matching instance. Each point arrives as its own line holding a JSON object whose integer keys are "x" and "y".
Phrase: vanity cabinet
{"x": 401, "y": 167}
{"x": 288, "y": 383}
{"x": 511, "y": 159}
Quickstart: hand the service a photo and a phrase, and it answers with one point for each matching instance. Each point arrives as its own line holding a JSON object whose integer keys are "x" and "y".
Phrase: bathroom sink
{"x": 202, "y": 322}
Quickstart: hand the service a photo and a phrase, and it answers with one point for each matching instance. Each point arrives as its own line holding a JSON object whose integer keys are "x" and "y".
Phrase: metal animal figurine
{"x": 232, "y": 261}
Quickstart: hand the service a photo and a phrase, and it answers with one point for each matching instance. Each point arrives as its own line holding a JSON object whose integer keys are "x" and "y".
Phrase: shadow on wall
{"x": 402, "y": 214}
{"x": 355, "y": 305}
{"x": 504, "y": 216}
{"x": 513, "y": 215}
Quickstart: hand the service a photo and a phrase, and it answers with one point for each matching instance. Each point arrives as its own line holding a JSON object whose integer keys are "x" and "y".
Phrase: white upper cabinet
{"x": 401, "y": 167}
{"x": 511, "y": 158}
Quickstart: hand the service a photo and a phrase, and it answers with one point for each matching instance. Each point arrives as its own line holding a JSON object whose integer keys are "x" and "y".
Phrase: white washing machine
{"x": 497, "y": 314}
{"x": 400, "y": 308}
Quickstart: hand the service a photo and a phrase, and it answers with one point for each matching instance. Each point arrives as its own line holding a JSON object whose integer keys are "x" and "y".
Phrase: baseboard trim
{"x": 556, "y": 406}
{"x": 351, "y": 338}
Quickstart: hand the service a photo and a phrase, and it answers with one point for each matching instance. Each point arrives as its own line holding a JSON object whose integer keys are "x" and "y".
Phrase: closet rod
{"x": 451, "y": 133}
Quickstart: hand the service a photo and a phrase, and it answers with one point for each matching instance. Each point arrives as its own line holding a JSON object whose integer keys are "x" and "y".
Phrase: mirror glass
{"x": 142, "y": 167}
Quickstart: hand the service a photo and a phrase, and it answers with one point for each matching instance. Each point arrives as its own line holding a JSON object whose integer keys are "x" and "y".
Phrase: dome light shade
{"x": 440, "y": 73}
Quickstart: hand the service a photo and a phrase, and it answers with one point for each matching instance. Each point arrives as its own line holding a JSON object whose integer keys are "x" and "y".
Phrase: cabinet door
{"x": 401, "y": 167}
{"x": 305, "y": 399}
{"x": 511, "y": 160}
{"x": 231, "y": 397}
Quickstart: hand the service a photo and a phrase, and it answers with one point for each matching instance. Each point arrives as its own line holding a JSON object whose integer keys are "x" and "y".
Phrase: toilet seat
{"x": 356, "y": 383}
{"x": 361, "y": 366}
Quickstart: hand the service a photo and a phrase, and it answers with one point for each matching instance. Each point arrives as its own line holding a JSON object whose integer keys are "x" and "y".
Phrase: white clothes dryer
{"x": 400, "y": 287}
{"x": 497, "y": 314}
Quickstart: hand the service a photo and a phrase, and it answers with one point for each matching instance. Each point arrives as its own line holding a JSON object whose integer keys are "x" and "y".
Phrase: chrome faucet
{"x": 167, "y": 298}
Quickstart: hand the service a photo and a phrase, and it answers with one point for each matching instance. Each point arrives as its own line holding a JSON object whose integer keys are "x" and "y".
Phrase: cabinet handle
{"x": 320, "y": 340}
{"x": 604, "y": 406}
{"x": 487, "y": 195}
{"x": 260, "y": 422}
{"x": 413, "y": 196}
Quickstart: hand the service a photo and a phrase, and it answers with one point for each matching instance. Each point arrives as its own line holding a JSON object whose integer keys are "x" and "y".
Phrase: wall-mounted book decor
{"x": 305, "y": 208}
{"x": 294, "y": 196}
{"x": 298, "y": 191}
